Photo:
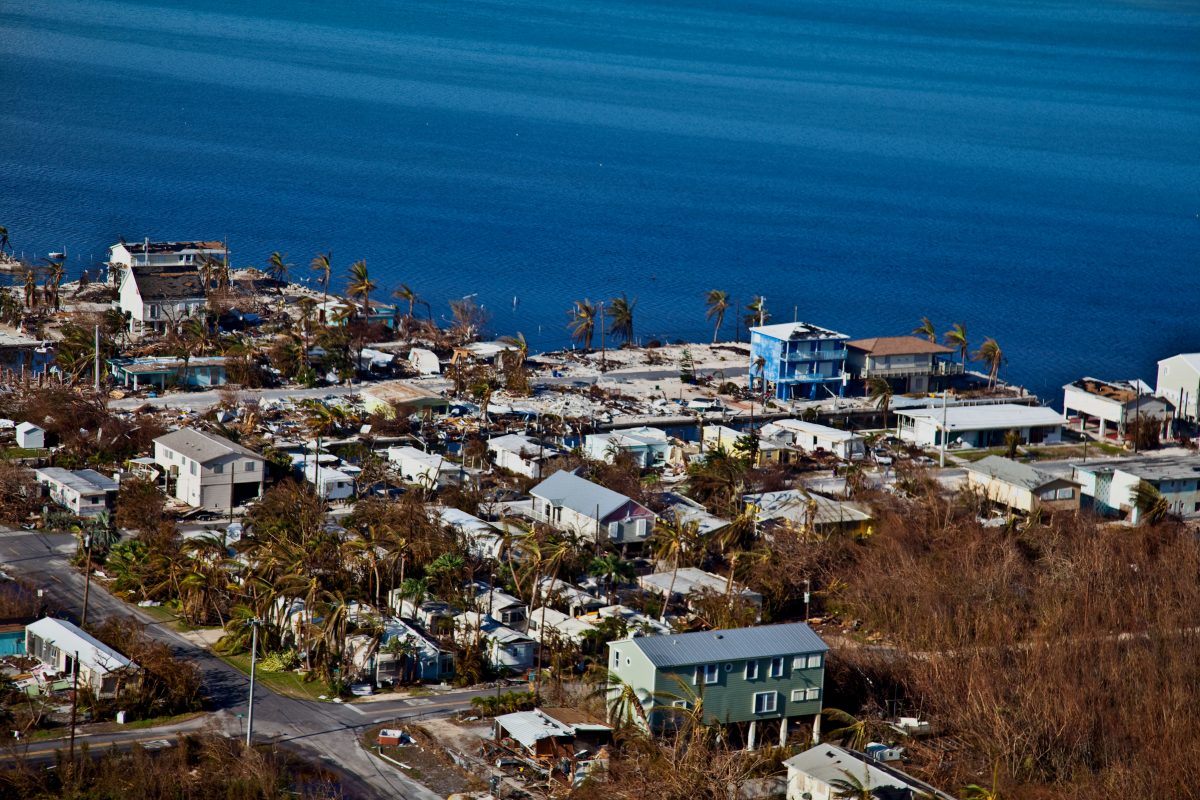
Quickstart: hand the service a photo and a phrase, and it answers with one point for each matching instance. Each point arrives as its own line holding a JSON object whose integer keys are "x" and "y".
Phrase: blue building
{"x": 798, "y": 360}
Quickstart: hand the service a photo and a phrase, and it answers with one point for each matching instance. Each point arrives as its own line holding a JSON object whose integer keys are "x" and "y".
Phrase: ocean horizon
{"x": 1027, "y": 169}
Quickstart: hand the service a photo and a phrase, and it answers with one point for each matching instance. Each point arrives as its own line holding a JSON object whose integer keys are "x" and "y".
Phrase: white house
{"x": 686, "y": 583}
{"x": 30, "y": 436}
{"x": 58, "y": 643}
{"x": 331, "y": 483}
{"x": 500, "y": 606}
{"x": 820, "y": 772}
{"x": 482, "y": 538}
{"x": 557, "y": 592}
{"x": 648, "y": 446}
{"x": 1106, "y": 406}
{"x": 812, "y": 437}
{"x": 1179, "y": 382}
{"x": 571, "y": 503}
{"x": 505, "y": 648}
{"x": 209, "y": 471}
{"x": 85, "y": 492}
{"x": 521, "y": 454}
{"x": 428, "y": 470}
{"x": 1022, "y": 487}
{"x": 801, "y": 509}
{"x": 400, "y": 654}
{"x": 156, "y": 298}
{"x": 979, "y": 426}
{"x": 1110, "y": 483}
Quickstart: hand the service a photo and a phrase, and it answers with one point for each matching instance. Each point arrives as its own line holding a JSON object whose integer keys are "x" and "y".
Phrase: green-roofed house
{"x": 753, "y": 675}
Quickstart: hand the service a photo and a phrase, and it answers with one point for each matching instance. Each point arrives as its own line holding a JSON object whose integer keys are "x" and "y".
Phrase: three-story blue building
{"x": 798, "y": 360}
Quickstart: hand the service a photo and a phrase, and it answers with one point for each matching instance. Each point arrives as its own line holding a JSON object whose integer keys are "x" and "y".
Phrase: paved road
{"x": 326, "y": 733}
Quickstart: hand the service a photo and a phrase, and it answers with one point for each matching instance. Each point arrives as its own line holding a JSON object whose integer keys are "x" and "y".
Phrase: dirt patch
{"x": 426, "y": 760}
{"x": 465, "y": 737}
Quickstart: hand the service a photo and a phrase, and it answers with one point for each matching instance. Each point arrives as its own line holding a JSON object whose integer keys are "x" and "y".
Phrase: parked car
{"x": 705, "y": 404}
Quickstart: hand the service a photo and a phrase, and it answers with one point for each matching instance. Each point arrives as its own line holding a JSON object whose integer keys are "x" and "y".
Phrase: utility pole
{"x": 253, "y": 662}
{"x": 74, "y": 705}
{"x": 232, "y": 469}
{"x": 87, "y": 576}
{"x": 945, "y": 433}
{"x": 600, "y": 316}
{"x": 96, "y": 362}
{"x": 807, "y": 596}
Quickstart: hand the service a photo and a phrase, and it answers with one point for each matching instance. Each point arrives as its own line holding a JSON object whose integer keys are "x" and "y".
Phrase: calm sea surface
{"x": 1031, "y": 169}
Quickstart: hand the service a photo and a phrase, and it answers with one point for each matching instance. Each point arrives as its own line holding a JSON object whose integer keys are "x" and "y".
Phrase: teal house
{"x": 770, "y": 674}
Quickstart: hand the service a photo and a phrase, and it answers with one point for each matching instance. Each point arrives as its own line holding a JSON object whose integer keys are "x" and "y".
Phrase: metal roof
{"x": 1013, "y": 472}
{"x": 732, "y": 644}
{"x": 579, "y": 494}
{"x": 982, "y": 418}
{"x": 827, "y": 763}
{"x": 69, "y": 638}
{"x": 203, "y": 446}
{"x": 813, "y": 429}
{"x": 1147, "y": 468}
{"x": 84, "y": 481}
{"x": 796, "y": 331}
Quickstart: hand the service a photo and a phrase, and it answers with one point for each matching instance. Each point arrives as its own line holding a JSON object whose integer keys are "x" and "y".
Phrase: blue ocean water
{"x": 1028, "y": 168}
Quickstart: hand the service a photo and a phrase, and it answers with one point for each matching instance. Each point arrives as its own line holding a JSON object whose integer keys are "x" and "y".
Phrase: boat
{"x": 57, "y": 256}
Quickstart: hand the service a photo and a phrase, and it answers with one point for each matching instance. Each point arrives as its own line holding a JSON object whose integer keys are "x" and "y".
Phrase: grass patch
{"x": 288, "y": 684}
{"x": 22, "y": 452}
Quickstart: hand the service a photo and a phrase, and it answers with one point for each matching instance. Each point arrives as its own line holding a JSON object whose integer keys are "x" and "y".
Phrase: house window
{"x": 708, "y": 672}
{"x": 777, "y": 667}
{"x": 249, "y": 466}
{"x": 764, "y": 702}
{"x": 616, "y": 659}
{"x": 153, "y": 312}
{"x": 194, "y": 468}
{"x": 807, "y": 662}
{"x": 806, "y": 695}
{"x": 218, "y": 469}
{"x": 751, "y": 670}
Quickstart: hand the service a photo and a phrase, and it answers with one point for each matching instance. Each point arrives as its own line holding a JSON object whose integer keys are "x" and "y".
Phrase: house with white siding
{"x": 574, "y": 504}
{"x": 84, "y": 492}
{"x": 209, "y": 471}
{"x": 1179, "y": 382}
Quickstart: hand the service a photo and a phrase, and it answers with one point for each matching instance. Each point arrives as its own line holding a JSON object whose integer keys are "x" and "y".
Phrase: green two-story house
{"x": 741, "y": 675}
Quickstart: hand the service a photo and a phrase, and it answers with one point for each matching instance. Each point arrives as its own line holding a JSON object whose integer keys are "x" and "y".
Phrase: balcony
{"x": 914, "y": 370}
{"x": 819, "y": 355}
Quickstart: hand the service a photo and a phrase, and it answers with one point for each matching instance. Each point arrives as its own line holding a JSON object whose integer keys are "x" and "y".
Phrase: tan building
{"x": 1021, "y": 487}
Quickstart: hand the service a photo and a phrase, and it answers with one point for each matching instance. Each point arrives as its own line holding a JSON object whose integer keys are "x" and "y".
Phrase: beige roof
{"x": 203, "y": 446}
{"x": 402, "y": 393}
{"x": 898, "y": 346}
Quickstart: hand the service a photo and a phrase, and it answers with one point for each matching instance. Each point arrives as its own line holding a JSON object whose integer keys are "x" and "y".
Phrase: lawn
{"x": 1046, "y": 453}
{"x": 286, "y": 683}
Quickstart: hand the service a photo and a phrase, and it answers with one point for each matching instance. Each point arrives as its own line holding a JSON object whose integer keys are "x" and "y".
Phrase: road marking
{"x": 381, "y": 719}
{"x": 419, "y": 701}
{"x": 156, "y": 744}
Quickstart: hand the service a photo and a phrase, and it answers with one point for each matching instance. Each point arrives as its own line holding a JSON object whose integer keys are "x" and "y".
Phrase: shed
{"x": 30, "y": 436}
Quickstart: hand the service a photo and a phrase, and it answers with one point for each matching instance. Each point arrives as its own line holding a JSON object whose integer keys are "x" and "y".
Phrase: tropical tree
{"x": 620, "y": 317}
{"x": 54, "y": 280}
{"x": 611, "y": 569}
{"x": 322, "y": 264}
{"x": 30, "y": 290}
{"x": 974, "y": 791}
{"x": 956, "y": 337}
{"x": 851, "y": 732}
{"x": 717, "y": 301}
{"x": 926, "y": 329}
{"x": 671, "y": 540}
{"x": 361, "y": 285}
{"x": 405, "y": 293}
{"x": 851, "y": 787}
{"x": 4, "y": 243}
{"x": 759, "y": 365}
{"x": 1012, "y": 442}
{"x": 990, "y": 353}
{"x": 880, "y": 393}
{"x": 1152, "y": 507}
{"x": 583, "y": 322}
{"x": 277, "y": 266}
{"x": 756, "y": 312}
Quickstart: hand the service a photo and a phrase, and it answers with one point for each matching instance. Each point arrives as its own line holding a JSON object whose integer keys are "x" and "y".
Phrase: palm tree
{"x": 974, "y": 791}
{"x": 756, "y": 312}
{"x": 30, "y": 289}
{"x": 926, "y": 329}
{"x": 990, "y": 353}
{"x": 277, "y": 266}
{"x": 4, "y": 243}
{"x": 55, "y": 279}
{"x": 851, "y": 788}
{"x": 671, "y": 539}
{"x": 583, "y": 322}
{"x": 610, "y": 568}
{"x": 1151, "y": 505}
{"x": 322, "y": 264}
{"x": 853, "y": 732}
{"x": 718, "y": 303}
{"x": 759, "y": 365}
{"x": 956, "y": 337}
{"x": 361, "y": 285}
{"x": 620, "y": 316}
{"x": 880, "y": 393}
